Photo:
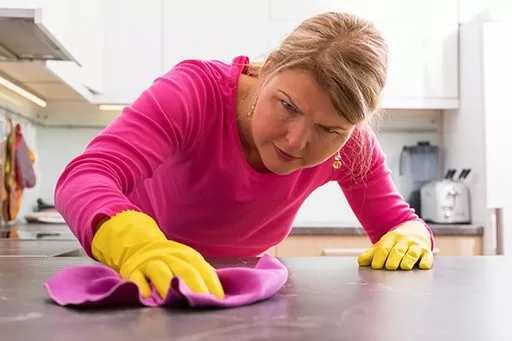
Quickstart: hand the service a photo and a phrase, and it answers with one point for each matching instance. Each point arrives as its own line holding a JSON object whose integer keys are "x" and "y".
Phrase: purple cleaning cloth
{"x": 99, "y": 285}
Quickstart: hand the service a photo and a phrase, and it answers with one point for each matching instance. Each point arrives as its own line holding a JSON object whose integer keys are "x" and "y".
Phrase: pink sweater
{"x": 175, "y": 154}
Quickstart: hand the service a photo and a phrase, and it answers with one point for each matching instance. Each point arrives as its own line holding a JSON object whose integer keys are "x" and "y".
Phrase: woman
{"x": 215, "y": 159}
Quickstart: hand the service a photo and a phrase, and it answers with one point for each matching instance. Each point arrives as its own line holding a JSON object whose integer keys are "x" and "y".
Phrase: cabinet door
{"x": 220, "y": 30}
{"x": 422, "y": 67}
{"x": 422, "y": 38}
{"x": 133, "y": 47}
{"x": 374, "y": 10}
{"x": 30, "y": 4}
{"x": 470, "y": 9}
{"x": 496, "y": 94}
{"x": 423, "y": 64}
{"x": 78, "y": 26}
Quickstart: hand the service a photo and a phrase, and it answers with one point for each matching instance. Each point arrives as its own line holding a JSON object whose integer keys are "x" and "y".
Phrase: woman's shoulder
{"x": 364, "y": 139}
{"x": 210, "y": 70}
{"x": 360, "y": 156}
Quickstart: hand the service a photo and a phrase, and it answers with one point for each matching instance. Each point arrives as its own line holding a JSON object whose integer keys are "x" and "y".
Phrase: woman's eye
{"x": 329, "y": 130}
{"x": 288, "y": 106}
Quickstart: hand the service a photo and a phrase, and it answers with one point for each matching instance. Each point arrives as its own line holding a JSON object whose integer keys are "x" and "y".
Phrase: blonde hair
{"x": 348, "y": 58}
{"x": 345, "y": 54}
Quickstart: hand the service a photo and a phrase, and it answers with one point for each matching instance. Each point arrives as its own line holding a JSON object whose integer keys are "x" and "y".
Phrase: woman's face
{"x": 295, "y": 125}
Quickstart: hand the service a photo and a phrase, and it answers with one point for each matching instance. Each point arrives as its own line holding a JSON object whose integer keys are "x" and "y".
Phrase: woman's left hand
{"x": 401, "y": 248}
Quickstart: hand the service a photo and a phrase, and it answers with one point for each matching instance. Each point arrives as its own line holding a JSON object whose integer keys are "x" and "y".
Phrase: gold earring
{"x": 337, "y": 161}
{"x": 249, "y": 114}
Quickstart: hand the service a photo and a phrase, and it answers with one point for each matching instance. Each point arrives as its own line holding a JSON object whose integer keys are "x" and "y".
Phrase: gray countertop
{"x": 51, "y": 240}
{"x": 62, "y": 232}
{"x": 326, "y": 298}
{"x": 437, "y": 229}
{"x": 36, "y": 248}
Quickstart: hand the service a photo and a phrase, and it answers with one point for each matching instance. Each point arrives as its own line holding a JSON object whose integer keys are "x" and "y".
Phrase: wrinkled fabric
{"x": 99, "y": 285}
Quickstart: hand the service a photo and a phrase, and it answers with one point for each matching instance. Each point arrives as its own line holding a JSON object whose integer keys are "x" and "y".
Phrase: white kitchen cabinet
{"x": 26, "y": 4}
{"x": 133, "y": 43}
{"x": 469, "y": 9}
{"x": 423, "y": 63}
{"x": 221, "y": 30}
{"x": 78, "y": 27}
{"x": 415, "y": 11}
{"x": 475, "y": 135}
{"x": 496, "y": 93}
{"x": 124, "y": 45}
{"x": 422, "y": 38}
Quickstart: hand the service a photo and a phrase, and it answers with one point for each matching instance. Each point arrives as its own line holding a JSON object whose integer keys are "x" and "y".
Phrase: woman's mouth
{"x": 283, "y": 155}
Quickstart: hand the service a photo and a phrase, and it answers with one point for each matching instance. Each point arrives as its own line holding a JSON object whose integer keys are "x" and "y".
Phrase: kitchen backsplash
{"x": 327, "y": 206}
{"x": 54, "y": 157}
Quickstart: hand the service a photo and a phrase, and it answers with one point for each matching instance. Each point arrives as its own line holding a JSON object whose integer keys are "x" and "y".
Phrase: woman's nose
{"x": 298, "y": 136}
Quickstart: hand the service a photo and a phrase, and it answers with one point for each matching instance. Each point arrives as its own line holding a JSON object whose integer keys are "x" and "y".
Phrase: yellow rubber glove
{"x": 132, "y": 244}
{"x": 401, "y": 248}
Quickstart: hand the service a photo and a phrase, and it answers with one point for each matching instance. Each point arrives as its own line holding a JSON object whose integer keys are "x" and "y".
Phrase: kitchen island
{"x": 325, "y": 298}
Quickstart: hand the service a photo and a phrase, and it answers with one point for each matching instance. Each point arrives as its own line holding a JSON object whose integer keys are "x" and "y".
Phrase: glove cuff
{"x": 115, "y": 238}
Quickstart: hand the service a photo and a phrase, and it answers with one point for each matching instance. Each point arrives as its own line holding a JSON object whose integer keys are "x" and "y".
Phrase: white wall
{"x": 56, "y": 147}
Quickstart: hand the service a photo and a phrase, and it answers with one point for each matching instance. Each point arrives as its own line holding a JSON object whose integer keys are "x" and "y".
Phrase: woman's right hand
{"x": 132, "y": 244}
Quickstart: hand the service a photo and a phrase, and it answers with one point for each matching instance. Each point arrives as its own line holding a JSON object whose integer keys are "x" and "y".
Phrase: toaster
{"x": 445, "y": 202}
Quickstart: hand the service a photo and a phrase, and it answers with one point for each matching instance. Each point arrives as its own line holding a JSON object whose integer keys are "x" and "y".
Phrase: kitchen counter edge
{"x": 437, "y": 229}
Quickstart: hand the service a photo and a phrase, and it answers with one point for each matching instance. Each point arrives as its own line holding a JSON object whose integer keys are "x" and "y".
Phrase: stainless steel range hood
{"x": 24, "y": 37}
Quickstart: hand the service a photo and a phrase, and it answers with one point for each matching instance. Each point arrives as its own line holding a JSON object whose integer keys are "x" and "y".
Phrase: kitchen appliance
{"x": 24, "y": 36}
{"x": 446, "y": 201}
{"x": 424, "y": 167}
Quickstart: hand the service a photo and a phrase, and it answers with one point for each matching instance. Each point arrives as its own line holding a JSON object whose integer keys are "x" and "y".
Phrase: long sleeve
{"x": 167, "y": 118}
{"x": 370, "y": 190}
